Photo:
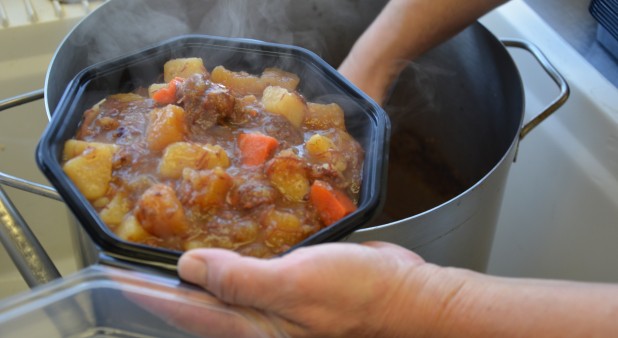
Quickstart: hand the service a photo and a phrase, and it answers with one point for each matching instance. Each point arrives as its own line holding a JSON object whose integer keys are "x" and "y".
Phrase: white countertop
{"x": 560, "y": 211}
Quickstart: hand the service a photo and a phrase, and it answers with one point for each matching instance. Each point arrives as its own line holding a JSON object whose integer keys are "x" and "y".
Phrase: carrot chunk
{"x": 331, "y": 204}
{"x": 256, "y": 148}
{"x": 167, "y": 95}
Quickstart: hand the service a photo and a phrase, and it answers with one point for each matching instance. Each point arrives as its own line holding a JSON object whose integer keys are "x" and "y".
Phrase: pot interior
{"x": 455, "y": 113}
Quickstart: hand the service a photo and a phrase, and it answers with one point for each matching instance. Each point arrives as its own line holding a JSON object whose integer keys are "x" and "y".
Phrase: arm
{"x": 507, "y": 307}
{"x": 402, "y": 31}
{"x": 382, "y": 290}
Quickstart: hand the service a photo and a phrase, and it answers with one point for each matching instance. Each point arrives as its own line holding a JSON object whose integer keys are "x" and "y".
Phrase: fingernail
{"x": 192, "y": 269}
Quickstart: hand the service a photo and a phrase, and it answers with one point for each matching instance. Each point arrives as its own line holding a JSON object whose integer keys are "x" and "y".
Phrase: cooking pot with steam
{"x": 456, "y": 112}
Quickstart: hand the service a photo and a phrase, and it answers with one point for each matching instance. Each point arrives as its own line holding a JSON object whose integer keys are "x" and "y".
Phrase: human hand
{"x": 328, "y": 290}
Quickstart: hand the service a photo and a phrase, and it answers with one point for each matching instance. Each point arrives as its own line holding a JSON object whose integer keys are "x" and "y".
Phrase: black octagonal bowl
{"x": 365, "y": 121}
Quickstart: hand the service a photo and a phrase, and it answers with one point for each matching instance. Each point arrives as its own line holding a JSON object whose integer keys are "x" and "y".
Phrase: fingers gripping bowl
{"x": 203, "y": 141}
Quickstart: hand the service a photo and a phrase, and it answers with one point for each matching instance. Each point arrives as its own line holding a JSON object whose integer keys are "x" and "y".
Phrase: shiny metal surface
{"x": 21, "y": 99}
{"x": 17, "y": 182}
{"x": 29, "y": 186}
{"x": 24, "y": 248}
{"x": 555, "y": 76}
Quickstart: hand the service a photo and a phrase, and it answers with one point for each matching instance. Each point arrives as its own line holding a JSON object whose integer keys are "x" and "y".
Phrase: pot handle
{"x": 552, "y": 72}
{"x": 30, "y": 258}
{"x": 21, "y": 99}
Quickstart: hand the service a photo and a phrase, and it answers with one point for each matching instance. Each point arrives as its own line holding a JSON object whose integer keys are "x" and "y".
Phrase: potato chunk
{"x": 318, "y": 145}
{"x": 289, "y": 176}
{"x": 125, "y": 97}
{"x": 324, "y": 116}
{"x": 324, "y": 149}
{"x": 160, "y": 212}
{"x": 115, "y": 211}
{"x": 91, "y": 168}
{"x": 181, "y": 155}
{"x": 167, "y": 125}
{"x": 279, "y": 77}
{"x": 205, "y": 188}
{"x": 73, "y": 148}
{"x": 279, "y": 100}
{"x": 283, "y": 229}
{"x": 131, "y": 230}
{"x": 242, "y": 83}
{"x": 183, "y": 67}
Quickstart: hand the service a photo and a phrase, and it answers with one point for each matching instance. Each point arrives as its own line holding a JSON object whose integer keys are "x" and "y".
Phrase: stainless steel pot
{"x": 456, "y": 112}
{"x": 452, "y": 147}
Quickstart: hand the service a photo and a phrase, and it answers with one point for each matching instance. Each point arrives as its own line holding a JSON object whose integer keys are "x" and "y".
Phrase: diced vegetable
{"x": 154, "y": 87}
{"x": 281, "y": 78}
{"x": 113, "y": 213}
{"x": 256, "y": 148}
{"x": 89, "y": 167}
{"x": 100, "y": 202}
{"x": 160, "y": 212}
{"x": 283, "y": 229}
{"x": 242, "y": 83}
{"x": 279, "y": 100}
{"x": 165, "y": 94}
{"x": 167, "y": 125}
{"x": 73, "y": 148}
{"x": 181, "y": 155}
{"x": 183, "y": 67}
{"x": 205, "y": 188}
{"x": 124, "y": 98}
{"x": 324, "y": 149}
{"x": 289, "y": 176}
{"x": 245, "y": 231}
{"x": 318, "y": 145}
{"x": 324, "y": 116}
{"x": 131, "y": 230}
{"x": 331, "y": 204}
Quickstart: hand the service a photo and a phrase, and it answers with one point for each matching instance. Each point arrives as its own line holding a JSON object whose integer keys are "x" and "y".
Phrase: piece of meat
{"x": 252, "y": 193}
{"x": 206, "y": 103}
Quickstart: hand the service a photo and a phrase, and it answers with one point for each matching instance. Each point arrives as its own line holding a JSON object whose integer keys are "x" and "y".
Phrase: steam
{"x": 264, "y": 20}
{"x": 420, "y": 78}
{"x": 326, "y": 27}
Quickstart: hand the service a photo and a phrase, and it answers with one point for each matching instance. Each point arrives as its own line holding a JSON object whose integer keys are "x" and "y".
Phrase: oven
{"x": 558, "y": 216}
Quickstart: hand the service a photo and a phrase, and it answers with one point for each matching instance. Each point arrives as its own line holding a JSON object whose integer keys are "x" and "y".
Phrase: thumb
{"x": 232, "y": 278}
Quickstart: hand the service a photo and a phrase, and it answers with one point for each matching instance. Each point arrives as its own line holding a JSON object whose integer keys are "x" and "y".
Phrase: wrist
{"x": 371, "y": 74}
{"x": 432, "y": 301}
